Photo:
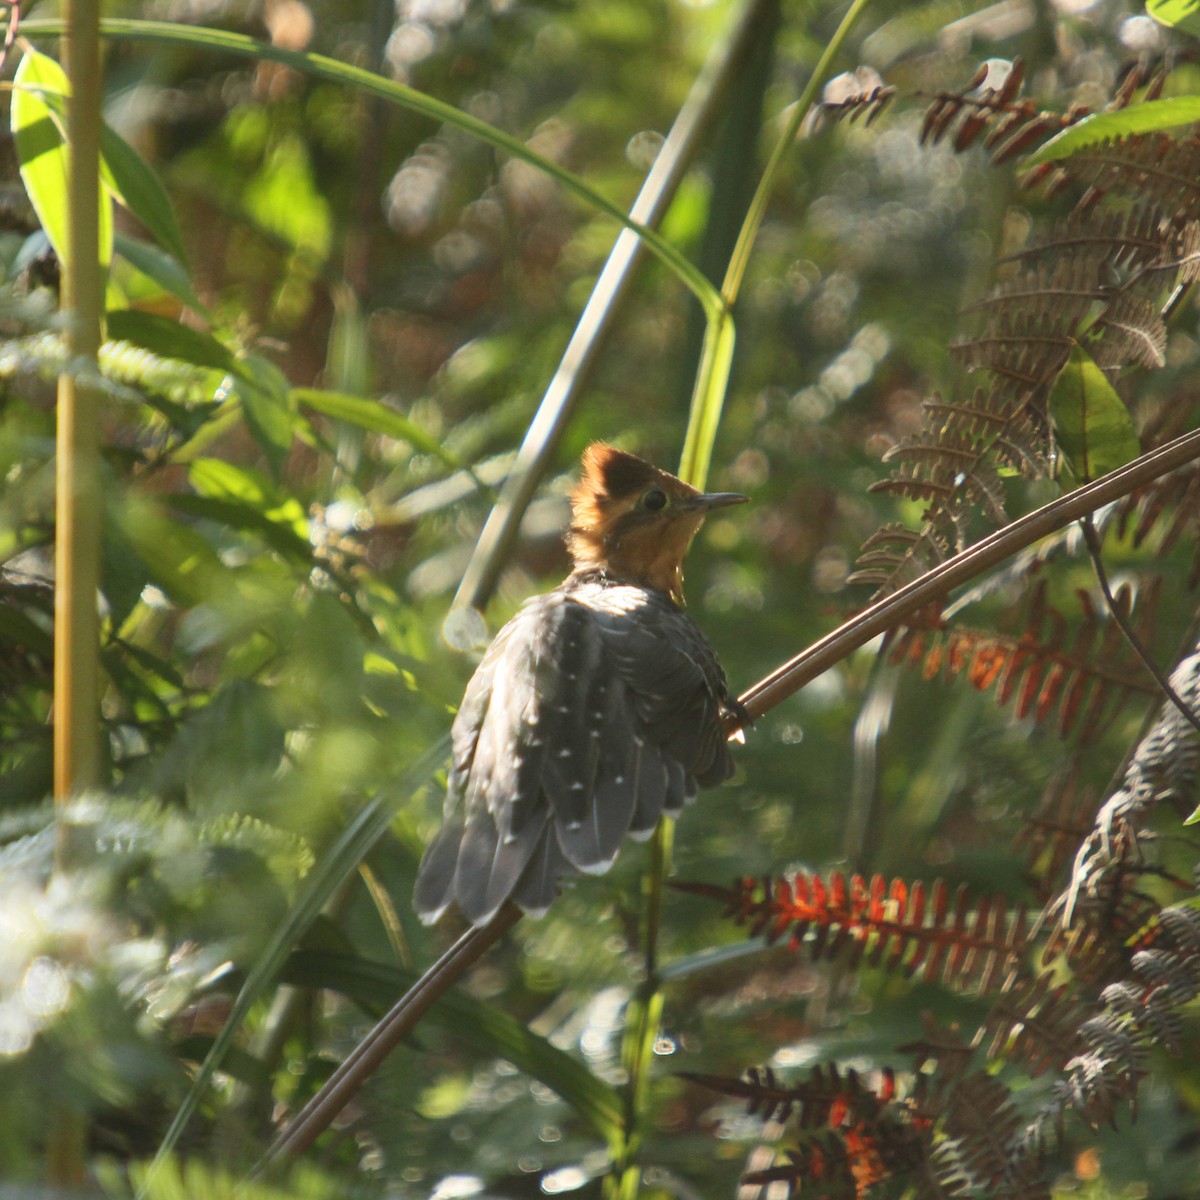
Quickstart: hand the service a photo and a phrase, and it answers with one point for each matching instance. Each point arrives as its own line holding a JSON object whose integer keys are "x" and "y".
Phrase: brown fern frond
{"x": 830, "y": 1096}
{"x": 951, "y": 466}
{"x": 917, "y": 931}
{"x": 1143, "y": 958}
{"x": 1121, "y": 240}
{"x": 1156, "y": 168}
{"x": 852, "y": 1134}
{"x": 984, "y": 1124}
{"x": 1086, "y": 678}
{"x": 1132, "y": 334}
{"x": 1035, "y": 1022}
{"x": 1167, "y": 512}
{"x": 1050, "y": 837}
{"x": 894, "y": 555}
{"x": 1101, "y": 279}
{"x": 856, "y": 95}
{"x": 1138, "y": 1011}
{"x": 822, "y": 1160}
{"x": 1008, "y": 126}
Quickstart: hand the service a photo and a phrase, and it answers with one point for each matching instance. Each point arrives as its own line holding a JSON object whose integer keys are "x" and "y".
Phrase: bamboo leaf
{"x": 177, "y": 558}
{"x": 38, "y": 133}
{"x": 267, "y": 403}
{"x": 374, "y": 416}
{"x": 137, "y": 186}
{"x": 168, "y": 337}
{"x": 163, "y": 268}
{"x": 331, "y": 869}
{"x": 321, "y": 67}
{"x": 220, "y": 480}
{"x": 1149, "y": 117}
{"x": 1176, "y": 14}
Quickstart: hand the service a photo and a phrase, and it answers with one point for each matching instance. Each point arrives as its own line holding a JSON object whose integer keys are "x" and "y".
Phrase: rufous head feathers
{"x": 633, "y": 521}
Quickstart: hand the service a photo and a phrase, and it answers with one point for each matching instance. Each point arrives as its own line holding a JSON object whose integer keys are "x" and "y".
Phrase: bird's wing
{"x": 678, "y": 688}
{"x": 586, "y": 720}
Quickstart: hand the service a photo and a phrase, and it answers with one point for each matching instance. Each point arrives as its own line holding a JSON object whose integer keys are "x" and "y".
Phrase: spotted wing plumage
{"x": 596, "y": 709}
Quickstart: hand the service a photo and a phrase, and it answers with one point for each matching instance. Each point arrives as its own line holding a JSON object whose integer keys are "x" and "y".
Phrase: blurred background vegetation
{"x": 276, "y": 579}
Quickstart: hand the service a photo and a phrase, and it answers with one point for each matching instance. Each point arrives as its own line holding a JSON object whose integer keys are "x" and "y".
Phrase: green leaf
{"x": 320, "y": 66}
{"x": 156, "y": 264}
{"x": 266, "y": 401}
{"x": 238, "y": 516}
{"x": 376, "y": 986}
{"x": 220, "y": 480}
{"x": 168, "y": 337}
{"x": 139, "y": 189}
{"x": 325, "y": 878}
{"x": 375, "y": 416}
{"x": 1148, "y": 117}
{"x": 1091, "y": 423}
{"x": 42, "y": 151}
{"x": 1176, "y": 14}
{"x": 177, "y": 558}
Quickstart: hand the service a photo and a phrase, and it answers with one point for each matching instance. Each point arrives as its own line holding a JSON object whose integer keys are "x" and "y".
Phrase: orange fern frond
{"x": 853, "y": 1134}
{"x": 1086, "y": 678}
{"x": 923, "y": 932}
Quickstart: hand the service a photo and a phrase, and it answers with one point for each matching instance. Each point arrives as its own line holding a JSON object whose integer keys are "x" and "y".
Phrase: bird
{"x": 598, "y": 708}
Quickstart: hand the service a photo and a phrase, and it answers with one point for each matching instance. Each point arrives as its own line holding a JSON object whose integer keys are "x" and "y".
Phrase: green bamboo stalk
{"x": 78, "y": 497}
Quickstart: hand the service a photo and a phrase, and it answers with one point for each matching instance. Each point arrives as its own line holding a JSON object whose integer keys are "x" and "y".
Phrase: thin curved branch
{"x": 319, "y": 1113}
{"x": 885, "y": 614}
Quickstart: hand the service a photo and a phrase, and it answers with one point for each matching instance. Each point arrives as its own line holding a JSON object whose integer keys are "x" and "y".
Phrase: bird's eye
{"x": 655, "y": 500}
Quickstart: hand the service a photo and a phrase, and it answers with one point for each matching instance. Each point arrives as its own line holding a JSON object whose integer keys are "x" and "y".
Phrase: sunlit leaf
{"x": 322, "y": 67}
{"x": 168, "y": 337}
{"x": 1092, "y": 426}
{"x": 178, "y": 559}
{"x": 266, "y": 401}
{"x": 220, "y": 480}
{"x": 42, "y": 151}
{"x": 1176, "y": 14}
{"x": 160, "y": 267}
{"x": 375, "y": 416}
{"x": 1148, "y": 117}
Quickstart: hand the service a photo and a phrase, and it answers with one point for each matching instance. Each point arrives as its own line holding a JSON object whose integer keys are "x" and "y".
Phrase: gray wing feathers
{"x": 595, "y": 710}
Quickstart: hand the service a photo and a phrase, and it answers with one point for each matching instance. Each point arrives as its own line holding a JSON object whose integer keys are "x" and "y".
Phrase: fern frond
{"x": 1101, "y": 278}
{"x": 922, "y": 932}
{"x": 1050, "y": 837}
{"x": 1086, "y": 679}
{"x": 1035, "y": 1022}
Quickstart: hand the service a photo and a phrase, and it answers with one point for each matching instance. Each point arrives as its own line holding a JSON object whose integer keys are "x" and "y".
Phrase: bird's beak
{"x": 707, "y": 501}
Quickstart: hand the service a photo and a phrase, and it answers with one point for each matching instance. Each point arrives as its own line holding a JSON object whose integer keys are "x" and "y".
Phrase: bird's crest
{"x": 611, "y": 476}
{"x": 618, "y": 526}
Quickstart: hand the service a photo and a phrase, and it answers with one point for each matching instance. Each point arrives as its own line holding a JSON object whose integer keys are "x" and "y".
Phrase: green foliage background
{"x": 295, "y": 478}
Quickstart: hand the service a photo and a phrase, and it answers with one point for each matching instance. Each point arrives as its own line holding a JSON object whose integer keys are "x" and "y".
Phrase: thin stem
{"x": 78, "y": 498}
{"x": 716, "y": 357}
{"x": 740, "y": 258}
{"x": 1092, "y": 541}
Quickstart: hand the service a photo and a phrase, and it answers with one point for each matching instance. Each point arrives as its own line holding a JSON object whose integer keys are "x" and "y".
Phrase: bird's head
{"x": 634, "y": 521}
